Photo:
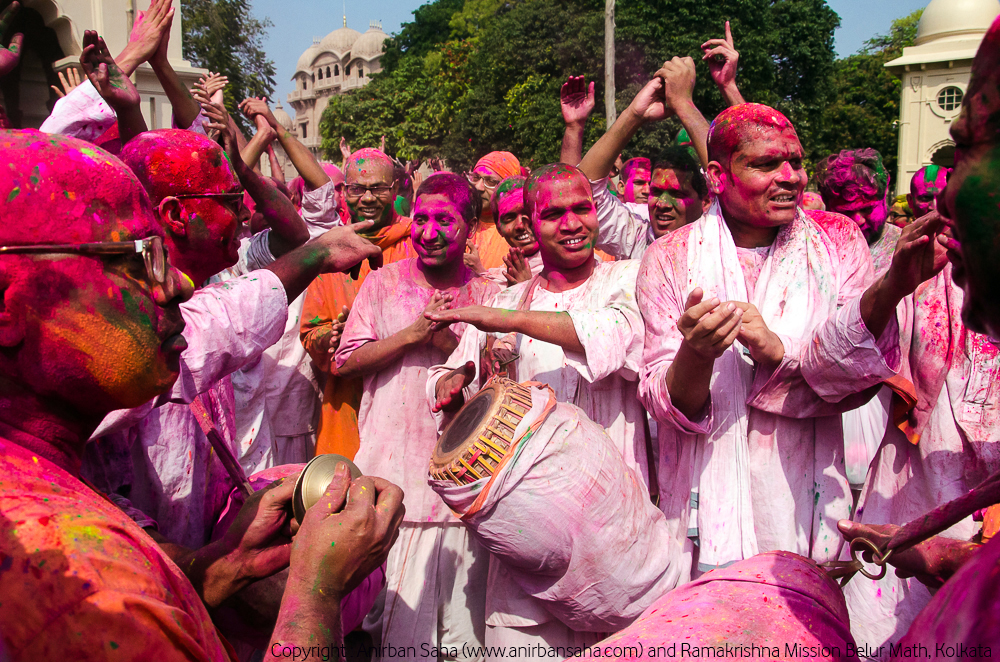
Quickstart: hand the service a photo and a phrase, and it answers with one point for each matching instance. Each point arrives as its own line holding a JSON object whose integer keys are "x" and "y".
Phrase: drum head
{"x": 462, "y": 429}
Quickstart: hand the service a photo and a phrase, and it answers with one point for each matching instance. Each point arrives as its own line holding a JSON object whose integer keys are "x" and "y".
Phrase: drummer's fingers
{"x": 389, "y": 507}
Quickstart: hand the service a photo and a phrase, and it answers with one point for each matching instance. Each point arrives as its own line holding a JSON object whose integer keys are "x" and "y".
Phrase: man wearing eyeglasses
{"x": 178, "y": 478}
{"x": 92, "y": 323}
{"x": 487, "y": 248}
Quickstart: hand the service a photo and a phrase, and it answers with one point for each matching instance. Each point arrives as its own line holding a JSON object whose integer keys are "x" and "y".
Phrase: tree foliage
{"x": 223, "y": 36}
{"x": 865, "y": 97}
{"x": 469, "y": 76}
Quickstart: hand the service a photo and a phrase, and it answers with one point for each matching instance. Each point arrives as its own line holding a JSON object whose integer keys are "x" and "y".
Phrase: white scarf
{"x": 795, "y": 292}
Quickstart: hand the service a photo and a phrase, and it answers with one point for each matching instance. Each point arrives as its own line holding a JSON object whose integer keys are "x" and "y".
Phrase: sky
{"x": 296, "y": 23}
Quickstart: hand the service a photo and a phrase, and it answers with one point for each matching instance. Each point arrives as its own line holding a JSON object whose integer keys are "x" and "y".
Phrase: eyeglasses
{"x": 151, "y": 249}
{"x": 358, "y": 190}
{"x": 489, "y": 181}
{"x": 232, "y": 200}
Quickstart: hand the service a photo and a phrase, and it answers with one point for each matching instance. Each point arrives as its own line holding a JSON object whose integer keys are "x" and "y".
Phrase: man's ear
{"x": 621, "y": 187}
{"x": 11, "y": 318}
{"x": 169, "y": 211}
{"x": 706, "y": 202}
{"x": 717, "y": 178}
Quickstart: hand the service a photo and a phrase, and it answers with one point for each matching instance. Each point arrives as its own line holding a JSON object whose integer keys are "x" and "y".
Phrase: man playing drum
{"x": 436, "y": 574}
{"x": 574, "y": 326}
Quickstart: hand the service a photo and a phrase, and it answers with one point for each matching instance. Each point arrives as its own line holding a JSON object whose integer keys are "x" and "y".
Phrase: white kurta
{"x": 956, "y": 426}
{"x": 764, "y": 469}
{"x": 621, "y": 233}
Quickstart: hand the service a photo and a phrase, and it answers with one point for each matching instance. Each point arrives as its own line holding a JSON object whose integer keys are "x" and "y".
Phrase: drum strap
{"x": 229, "y": 461}
{"x": 654, "y": 483}
{"x": 500, "y": 356}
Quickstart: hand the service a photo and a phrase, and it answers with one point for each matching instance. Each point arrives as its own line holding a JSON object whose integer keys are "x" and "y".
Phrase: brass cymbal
{"x": 315, "y": 478}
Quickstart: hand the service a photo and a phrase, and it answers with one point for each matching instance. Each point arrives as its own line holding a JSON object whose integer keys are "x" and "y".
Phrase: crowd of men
{"x": 783, "y": 369}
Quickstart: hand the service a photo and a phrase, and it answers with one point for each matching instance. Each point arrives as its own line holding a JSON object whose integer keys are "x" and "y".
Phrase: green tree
{"x": 223, "y": 36}
{"x": 865, "y": 96}
{"x": 427, "y": 31}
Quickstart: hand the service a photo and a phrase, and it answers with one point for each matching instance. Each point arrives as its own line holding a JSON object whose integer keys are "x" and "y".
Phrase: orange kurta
{"x": 338, "y": 426}
{"x": 492, "y": 247}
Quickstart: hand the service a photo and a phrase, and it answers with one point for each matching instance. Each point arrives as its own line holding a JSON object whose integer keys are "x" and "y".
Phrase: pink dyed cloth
{"x": 622, "y": 232}
{"x": 764, "y": 468}
{"x": 176, "y": 478}
{"x": 772, "y": 600}
{"x": 356, "y": 604}
{"x": 398, "y": 432}
{"x": 957, "y": 427}
{"x": 79, "y": 580}
{"x": 964, "y": 616}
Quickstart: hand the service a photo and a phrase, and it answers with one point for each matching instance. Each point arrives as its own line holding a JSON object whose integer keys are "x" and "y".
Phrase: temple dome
{"x": 369, "y": 45}
{"x": 340, "y": 41}
{"x": 944, "y": 19}
{"x": 284, "y": 119}
{"x": 306, "y": 59}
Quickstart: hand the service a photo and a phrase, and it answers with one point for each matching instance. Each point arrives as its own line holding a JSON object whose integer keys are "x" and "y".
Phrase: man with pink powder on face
{"x": 575, "y": 326}
{"x": 925, "y": 187}
{"x": 93, "y": 323}
{"x": 762, "y": 326}
{"x": 436, "y": 574}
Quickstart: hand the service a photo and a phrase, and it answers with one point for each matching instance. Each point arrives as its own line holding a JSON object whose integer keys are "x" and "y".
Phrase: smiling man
{"x": 576, "y": 327}
{"x": 761, "y": 328}
{"x": 436, "y": 576}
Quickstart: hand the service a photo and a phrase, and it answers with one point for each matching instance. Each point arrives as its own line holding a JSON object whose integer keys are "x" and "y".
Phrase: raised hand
{"x": 68, "y": 81}
{"x": 722, "y": 58}
{"x": 345, "y": 149}
{"x": 381, "y": 145}
{"x": 709, "y": 327}
{"x": 342, "y": 248}
{"x": 448, "y": 390}
{"x": 339, "y": 545}
{"x": 219, "y": 127}
{"x": 577, "y": 100}
{"x": 472, "y": 259}
{"x": 10, "y": 56}
{"x": 764, "y": 345}
{"x": 650, "y": 105}
{"x": 207, "y": 86}
{"x": 97, "y": 63}
{"x": 919, "y": 256}
{"x": 678, "y": 76}
{"x": 148, "y": 32}
{"x": 257, "y": 107}
{"x": 516, "y": 269}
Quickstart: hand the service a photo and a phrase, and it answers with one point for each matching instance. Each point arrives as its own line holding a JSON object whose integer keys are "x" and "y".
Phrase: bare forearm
{"x": 601, "y": 157}
{"x": 255, "y": 149}
{"x": 689, "y": 381}
{"x": 288, "y": 230}
{"x": 731, "y": 94}
{"x": 554, "y": 328}
{"x": 697, "y": 127}
{"x": 211, "y": 573}
{"x": 276, "y": 170}
{"x": 184, "y": 106}
{"x": 130, "y": 123}
{"x": 374, "y": 356}
{"x": 303, "y": 160}
{"x": 306, "y": 622}
{"x": 572, "y": 144}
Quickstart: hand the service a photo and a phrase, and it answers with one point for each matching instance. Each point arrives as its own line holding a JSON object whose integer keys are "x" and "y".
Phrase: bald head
{"x": 173, "y": 162}
{"x": 368, "y": 161}
{"x": 926, "y": 185}
{"x": 738, "y": 125}
{"x": 544, "y": 177}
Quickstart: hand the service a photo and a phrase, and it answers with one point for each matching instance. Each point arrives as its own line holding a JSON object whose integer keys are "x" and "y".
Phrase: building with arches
{"x": 53, "y": 31}
{"x": 341, "y": 61}
{"x": 935, "y": 73}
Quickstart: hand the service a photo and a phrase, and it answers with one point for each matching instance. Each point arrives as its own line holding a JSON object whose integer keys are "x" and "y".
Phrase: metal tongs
{"x": 915, "y": 532}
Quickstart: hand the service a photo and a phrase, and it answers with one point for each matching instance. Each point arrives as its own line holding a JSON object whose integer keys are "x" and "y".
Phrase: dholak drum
{"x": 775, "y": 605}
{"x": 571, "y": 524}
{"x": 476, "y": 441}
{"x": 251, "y": 628}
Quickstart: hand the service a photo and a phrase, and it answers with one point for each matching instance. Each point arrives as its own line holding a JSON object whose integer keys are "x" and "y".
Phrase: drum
{"x": 570, "y": 522}
{"x": 476, "y": 441}
{"x": 775, "y": 605}
{"x": 315, "y": 478}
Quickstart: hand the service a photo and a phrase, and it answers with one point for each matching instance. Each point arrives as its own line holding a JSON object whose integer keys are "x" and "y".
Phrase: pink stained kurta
{"x": 956, "y": 425}
{"x": 177, "y": 480}
{"x": 80, "y": 581}
{"x": 398, "y": 432}
{"x": 763, "y": 469}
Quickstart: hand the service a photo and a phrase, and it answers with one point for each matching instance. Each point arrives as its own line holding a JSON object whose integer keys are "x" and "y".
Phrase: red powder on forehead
{"x": 367, "y": 161}
{"x": 55, "y": 189}
{"x": 549, "y": 173}
{"x": 740, "y": 124}
{"x": 174, "y": 162}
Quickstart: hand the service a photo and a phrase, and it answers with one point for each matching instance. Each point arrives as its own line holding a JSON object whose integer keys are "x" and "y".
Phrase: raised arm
{"x": 678, "y": 85}
{"x": 259, "y": 144}
{"x": 723, "y": 58}
{"x": 303, "y": 160}
{"x": 577, "y": 101}
{"x": 113, "y": 85}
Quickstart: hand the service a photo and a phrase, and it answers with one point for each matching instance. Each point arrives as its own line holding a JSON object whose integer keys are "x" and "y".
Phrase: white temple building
{"x": 342, "y": 60}
{"x": 935, "y": 73}
{"x": 53, "y": 32}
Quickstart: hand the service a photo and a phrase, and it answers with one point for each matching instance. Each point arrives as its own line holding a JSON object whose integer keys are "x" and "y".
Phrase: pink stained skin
{"x": 636, "y": 187}
{"x": 201, "y": 234}
{"x": 514, "y": 224}
{"x": 866, "y": 207}
{"x": 564, "y": 219}
{"x": 673, "y": 201}
{"x": 755, "y": 171}
{"x": 926, "y": 185}
{"x": 439, "y": 232}
{"x": 83, "y": 335}
{"x": 813, "y": 201}
{"x": 370, "y": 167}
